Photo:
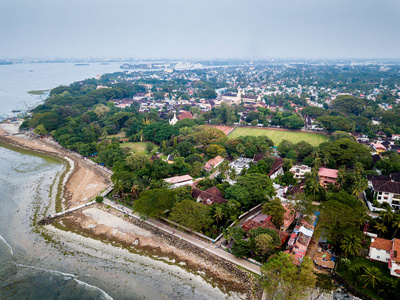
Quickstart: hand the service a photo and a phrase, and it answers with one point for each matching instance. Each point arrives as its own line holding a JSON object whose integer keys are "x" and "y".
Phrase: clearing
{"x": 138, "y": 147}
{"x": 277, "y": 135}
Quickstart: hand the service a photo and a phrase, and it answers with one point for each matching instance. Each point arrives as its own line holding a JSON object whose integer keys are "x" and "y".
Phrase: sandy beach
{"x": 86, "y": 180}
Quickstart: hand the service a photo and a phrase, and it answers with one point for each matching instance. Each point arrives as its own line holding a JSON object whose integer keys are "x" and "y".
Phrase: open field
{"x": 138, "y": 147}
{"x": 278, "y": 135}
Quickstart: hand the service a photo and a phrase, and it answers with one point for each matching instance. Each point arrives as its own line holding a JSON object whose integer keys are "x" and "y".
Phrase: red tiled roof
{"x": 185, "y": 115}
{"x": 205, "y": 195}
{"x": 215, "y": 161}
{"x": 396, "y": 250}
{"x": 328, "y": 172}
{"x": 214, "y": 191}
{"x": 278, "y": 163}
{"x": 382, "y": 244}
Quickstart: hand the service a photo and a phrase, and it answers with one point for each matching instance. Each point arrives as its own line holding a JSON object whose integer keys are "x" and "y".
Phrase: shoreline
{"x": 76, "y": 187}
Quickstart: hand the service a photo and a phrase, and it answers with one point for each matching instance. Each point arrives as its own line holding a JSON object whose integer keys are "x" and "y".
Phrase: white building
{"x": 299, "y": 171}
{"x": 387, "y": 251}
{"x": 240, "y": 164}
{"x": 178, "y": 181}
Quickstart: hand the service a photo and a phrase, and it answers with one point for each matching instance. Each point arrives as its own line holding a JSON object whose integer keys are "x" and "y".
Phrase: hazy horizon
{"x": 178, "y": 29}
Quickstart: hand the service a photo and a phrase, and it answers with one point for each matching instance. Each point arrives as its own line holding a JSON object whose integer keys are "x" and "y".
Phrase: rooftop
{"x": 325, "y": 172}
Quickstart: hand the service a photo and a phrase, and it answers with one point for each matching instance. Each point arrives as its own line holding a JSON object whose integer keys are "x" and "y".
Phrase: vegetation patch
{"x": 278, "y": 135}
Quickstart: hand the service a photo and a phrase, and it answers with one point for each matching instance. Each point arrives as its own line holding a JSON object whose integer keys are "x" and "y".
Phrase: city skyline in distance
{"x": 178, "y": 29}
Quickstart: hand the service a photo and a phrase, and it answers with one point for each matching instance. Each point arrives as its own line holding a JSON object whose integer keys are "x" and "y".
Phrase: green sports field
{"x": 278, "y": 135}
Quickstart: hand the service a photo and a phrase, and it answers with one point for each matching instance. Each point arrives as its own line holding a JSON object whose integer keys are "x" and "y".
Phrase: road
{"x": 209, "y": 247}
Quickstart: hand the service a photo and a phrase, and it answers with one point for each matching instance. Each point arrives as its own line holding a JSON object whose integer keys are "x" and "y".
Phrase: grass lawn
{"x": 138, "y": 147}
{"x": 277, "y": 135}
{"x": 363, "y": 262}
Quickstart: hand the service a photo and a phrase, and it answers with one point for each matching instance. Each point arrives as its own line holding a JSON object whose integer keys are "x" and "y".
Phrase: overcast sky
{"x": 200, "y": 29}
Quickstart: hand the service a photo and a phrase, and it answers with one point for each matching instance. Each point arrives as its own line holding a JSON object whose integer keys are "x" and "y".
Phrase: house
{"x": 387, "y": 251}
{"x": 178, "y": 181}
{"x": 378, "y": 147}
{"x": 277, "y": 168}
{"x": 396, "y": 137}
{"x": 185, "y": 115}
{"x": 139, "y": 96}
{"x": 240, "y": 164}
{"x": 299, "y": 171}
{"x": 208, "y": 197}
{"x": 213, "y": 163}
{"x": 288, "y": 216}
{"x": 327, "y": 176}
{"x": 262, "y": 220}
{"x": 386, "y": 189}
{"x": 380, "y": 249}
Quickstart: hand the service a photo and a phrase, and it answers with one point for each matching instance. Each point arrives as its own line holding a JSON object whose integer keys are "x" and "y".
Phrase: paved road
{"x": 212, "y": 248}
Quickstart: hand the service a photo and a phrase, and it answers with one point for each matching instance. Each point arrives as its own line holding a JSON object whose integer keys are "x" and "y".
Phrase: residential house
{"x": 262, "y": 220}
{"x": 378, "y": 147}
{"x": 240, "y": 164}
{"x": 327, "y": 176}
{"x": 185, "y": 115}
{"x": 387, "y": 251}
{"x": 386, "y": 189}
{"x": 213, "y": 163}
{"x": 277, "y": 168}
{"x": 208, "y": 197}
{"x": 178, "y": 181}
{"x": 300, "y": 171}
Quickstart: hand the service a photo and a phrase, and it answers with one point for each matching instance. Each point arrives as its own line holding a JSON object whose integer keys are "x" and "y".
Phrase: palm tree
{"x": 396, "y": 224}
{"x": 119, "y": 187}
{"x": 351, "y": 245}
{"x": 359, "y": 185}
{"x": 372, "y": 275}
{"x": 381, "y": 227}
{"x": 232, "y": 174}
{"x": 387, "y": 215}
{"x": 223, "y": 168}
{"x": 341, "y": 175}
{"x": 313, "y": 187}
{"x": 218, "y": 214}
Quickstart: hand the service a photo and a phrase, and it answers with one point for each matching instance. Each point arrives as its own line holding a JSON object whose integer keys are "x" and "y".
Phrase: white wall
{"x": 378, "y": 254}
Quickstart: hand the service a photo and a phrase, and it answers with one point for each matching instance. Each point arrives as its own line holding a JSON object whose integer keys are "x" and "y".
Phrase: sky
{"x": 200, "y": 29}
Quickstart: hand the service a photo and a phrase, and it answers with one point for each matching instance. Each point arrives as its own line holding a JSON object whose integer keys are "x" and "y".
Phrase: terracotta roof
{"x": 185, "y": 115}
{"x": 215, "y": 161}
{"x": 278, "y": 163}
{"x": 396, "y": 250}
{"x": 328, "y": 172}
{"x": 205, "y": 195}
{"x": 257, "y": 157}
{"x": 178, "y": 179}
{"x": 382, "y": 244}
{"x": 214, "y": 191}
{"x": 379, "y": 146}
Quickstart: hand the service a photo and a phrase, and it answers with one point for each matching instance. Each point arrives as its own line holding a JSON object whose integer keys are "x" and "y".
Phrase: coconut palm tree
{"x": 359, "y": 185}
{"x": 351, "y": 245}
{"x": 218, "y": 214}
{"x": 387, "y": 215}
{"x": 381, "y": 227}
{"x": 119, "y": 187}
{"x": 371, "y": 275}
{"x": 396, "y": 224}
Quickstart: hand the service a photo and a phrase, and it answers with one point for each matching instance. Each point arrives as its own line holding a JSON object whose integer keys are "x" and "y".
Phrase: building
{"x": 213, "y": 163}
{"x": 380, "y": 249}
{"x": 240, "y": 164}
{"x": 386, "y": 189}
{"x": 185, "y": 115}
{"x": 173, "y": 121}
{"x": 178, "y": 181}
{"x": 378, "y": 147}
{"x": 387, "y": 251}
{"x": 327, "y": 176}
{"x": 300, "y": 171}
{"x": 277, "y": 168}
{"x": 208, "y": 197}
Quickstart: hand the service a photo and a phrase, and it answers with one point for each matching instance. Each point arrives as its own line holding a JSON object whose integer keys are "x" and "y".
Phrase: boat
{"x": 81, "y": 65}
